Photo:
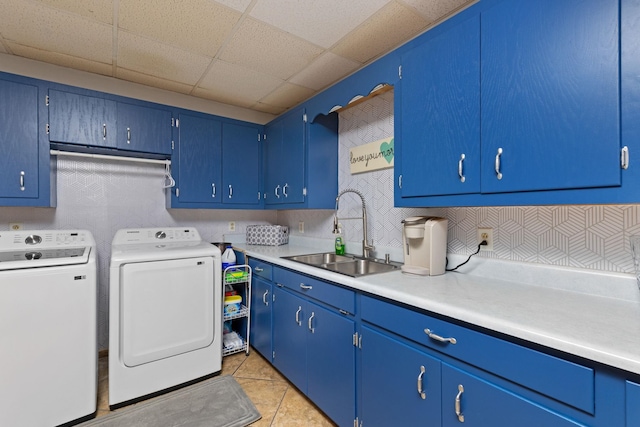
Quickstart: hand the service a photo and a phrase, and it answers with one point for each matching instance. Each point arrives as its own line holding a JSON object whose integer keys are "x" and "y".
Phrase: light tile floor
{"x": 277, "y": 400}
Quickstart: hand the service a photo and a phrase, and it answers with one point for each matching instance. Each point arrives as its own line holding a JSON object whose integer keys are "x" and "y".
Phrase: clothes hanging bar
{"x": 107, "y": 157}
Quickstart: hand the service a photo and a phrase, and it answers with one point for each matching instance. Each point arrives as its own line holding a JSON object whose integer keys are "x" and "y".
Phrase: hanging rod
{"x": 107, "y": 157}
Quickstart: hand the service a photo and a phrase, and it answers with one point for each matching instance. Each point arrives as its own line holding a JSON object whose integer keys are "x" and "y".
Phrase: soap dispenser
{"x": 340, "y": 245}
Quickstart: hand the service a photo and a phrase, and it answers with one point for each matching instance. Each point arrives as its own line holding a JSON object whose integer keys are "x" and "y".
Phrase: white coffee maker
{"x": 424, "y": 244}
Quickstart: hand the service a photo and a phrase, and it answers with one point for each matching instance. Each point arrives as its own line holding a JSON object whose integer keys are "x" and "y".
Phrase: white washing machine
{"x": 48, "y": 342}
{"x": 165, "y": 320}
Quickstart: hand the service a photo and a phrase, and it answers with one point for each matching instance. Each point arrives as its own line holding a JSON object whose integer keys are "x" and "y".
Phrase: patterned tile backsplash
{"x": 104, "y": 196}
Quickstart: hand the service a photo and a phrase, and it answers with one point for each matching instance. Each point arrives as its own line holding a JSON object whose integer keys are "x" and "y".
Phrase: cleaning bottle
{"x": 340, "y": 246}
{"x": 228, "y": 258}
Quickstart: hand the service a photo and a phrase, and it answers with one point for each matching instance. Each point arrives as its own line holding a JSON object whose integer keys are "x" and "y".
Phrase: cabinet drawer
{"x": 557, "y": 378}
{"x": 335, "y": 296}
{"x": 261, "y": 268}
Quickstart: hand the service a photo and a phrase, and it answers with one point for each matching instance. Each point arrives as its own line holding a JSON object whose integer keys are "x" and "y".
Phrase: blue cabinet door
{"x": 261, "y": 302}
{"x": 476, "y": 402}
{"x": 400, "y": 385}
{"x": 550, "y": 95}
{"x": 331, "y": 363}
{"x": 81, "y": 119}
{"x": 290, "y": 313}
{"x": 241, "y": 164}
{"x": 273, "y": 163}
{"x": 19, "y": 140}
{"x": 199, "y": 153}
{"x": 293, "y": 157}
{"x": 632, "y": 404}
{"x": 143, "y": 129}
{"x": 440, "y": 108}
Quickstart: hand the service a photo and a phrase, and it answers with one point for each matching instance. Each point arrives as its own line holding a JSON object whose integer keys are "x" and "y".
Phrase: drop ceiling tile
{"x": 61, "y": 59}
{"x": 145, "y": 79}
{"x": 239, "y": 5}
{"x": 320, "y": 22}
{"x": 385, "y": 30}
{"x": 199, "y": 26}
{"x": 287, "y": 95}
{"x": 41, "y": 27}
{"x": 326, "y": 69}
{"x": 153, "y": 58}
{"x": 264, "y": 48}
{"x": 266, "y": 108}
{"x": 100, "y": 10}
{"x": 225, "y": 98}
{"x": 228, "y": 79}
{"x": 435, "y": 10}
{"x": 2, "y": 48}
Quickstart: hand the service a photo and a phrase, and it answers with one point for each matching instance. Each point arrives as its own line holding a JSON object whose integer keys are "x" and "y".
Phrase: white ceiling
{"x": 264, "y": 55}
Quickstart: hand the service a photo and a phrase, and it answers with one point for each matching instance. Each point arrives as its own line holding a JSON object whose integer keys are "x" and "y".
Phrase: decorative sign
{"x": 373, "y": 156}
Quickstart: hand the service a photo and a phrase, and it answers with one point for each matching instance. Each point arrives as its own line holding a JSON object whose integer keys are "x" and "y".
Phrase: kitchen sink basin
{"x": 349, "y": 265}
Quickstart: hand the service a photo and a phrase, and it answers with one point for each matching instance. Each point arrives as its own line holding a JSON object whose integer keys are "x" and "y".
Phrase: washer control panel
{"x": 43, "y": 238}
{"x": 155, "y": 235}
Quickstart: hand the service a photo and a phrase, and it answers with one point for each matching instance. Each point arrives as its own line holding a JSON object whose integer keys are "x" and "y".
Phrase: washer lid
{"x": 43, "y": 257}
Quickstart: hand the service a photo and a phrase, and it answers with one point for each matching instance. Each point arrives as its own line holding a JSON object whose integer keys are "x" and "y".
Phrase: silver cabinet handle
{"x": 433, "y": 336}
{"x": 400, "y": 181}
{"x": 128, "y": 135}
{"x": 230, "y": 191}
{"x": 276, "y": 191}
{"x": 458, "y": 399}
{"x": 298, "y": 316}
{"x": 311, "y": 328}
{"x": 259, "y": 269}
{"x": 264, "y": 297}
{"x": 305, "y": 287}
{"x": 497, "y": 165}
{"x": 460, "y": 170}
{"x": 104, "y": 131}
{"x": 213, "y": 189}
{"x": 22, "y": 187}
{"x": 624, "y": 157}
{"x": 284, "y": 190}
{"x": 420, "y": 389}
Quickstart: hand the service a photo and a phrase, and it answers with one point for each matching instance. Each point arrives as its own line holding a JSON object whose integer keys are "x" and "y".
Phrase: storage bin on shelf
{"x": 236, "y": 312}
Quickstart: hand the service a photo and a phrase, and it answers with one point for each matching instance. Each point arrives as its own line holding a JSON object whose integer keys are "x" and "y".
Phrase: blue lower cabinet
{"x": 261, "y": 302}
{"x": 400, "y": 385}
{"x": 632, "y": 404}
{"x": 313, "y": 347}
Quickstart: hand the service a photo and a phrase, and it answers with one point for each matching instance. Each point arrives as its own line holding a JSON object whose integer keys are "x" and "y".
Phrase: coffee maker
{"x": 424, "y": 244}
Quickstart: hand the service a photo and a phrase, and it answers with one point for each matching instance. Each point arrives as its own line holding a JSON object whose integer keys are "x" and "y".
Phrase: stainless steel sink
{"x": 349, "y": 265}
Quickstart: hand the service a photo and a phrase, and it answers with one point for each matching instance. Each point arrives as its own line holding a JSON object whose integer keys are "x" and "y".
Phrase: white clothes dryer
{"x": 165, "y": 320}
{"x": 48, "y": 325}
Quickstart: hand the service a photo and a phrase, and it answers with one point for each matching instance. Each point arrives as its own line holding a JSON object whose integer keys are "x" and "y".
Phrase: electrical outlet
{"x": 301, "y": 227}
{"x": 15, "y": 226}
{"x": 232, "y": 226}
{"x": 486, "y": 234}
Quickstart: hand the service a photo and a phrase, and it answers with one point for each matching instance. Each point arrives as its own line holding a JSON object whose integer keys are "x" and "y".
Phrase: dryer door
{"x": 167, "y": 308}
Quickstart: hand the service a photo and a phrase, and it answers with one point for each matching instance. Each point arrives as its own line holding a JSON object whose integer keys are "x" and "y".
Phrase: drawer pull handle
{"x": 311, "y": 328}
{"x": 230, "y": 191}
{"x": 305, "y": 287}
{"x": 497, "y": 165}
{"x": 458, "y": 399}
{"x": 277, "y": 191}
{"x": 284, "y": 190}
{"x": 298, "y": 316}
{"x": 213, "y": 189}
{"x": 22, "y": 187}
{"x": 460, "y": 169}
{"x": 264, "y": 297}
{"x": 128, "y": 135}
{"x": 420, "y": 390}
{"x": 433, "y": 336}
{"x": 104, "y": 131}
{"x": 259, "y": 270}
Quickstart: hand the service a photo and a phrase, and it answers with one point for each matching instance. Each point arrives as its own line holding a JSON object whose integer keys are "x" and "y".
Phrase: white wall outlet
{"x": 232, "y": 226}
{"x": 15, "y": 226}
{"x": 486, "y": 234}
{"x": 301, "y": 227}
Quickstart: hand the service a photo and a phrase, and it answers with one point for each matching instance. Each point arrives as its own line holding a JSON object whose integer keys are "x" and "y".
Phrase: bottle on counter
{"x": 228, "y": 258}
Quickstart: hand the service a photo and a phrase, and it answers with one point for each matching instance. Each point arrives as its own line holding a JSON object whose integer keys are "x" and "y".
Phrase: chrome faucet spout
{"x": 366, "y": 247}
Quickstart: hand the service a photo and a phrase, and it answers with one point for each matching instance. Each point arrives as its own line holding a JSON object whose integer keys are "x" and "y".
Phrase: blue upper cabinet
{"x": 440, "y": 114}
{"x": 143, "y": 129}
{"x": 81, "y": 119}
{"x": 196, "y": 162}
{"x": 241, "y": 164}
{"x": 19, "y": 141}
{"x": 550, "y": 95}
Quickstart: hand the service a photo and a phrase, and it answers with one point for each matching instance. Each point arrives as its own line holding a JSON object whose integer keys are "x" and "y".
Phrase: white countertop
{"x": 593, "y": 315}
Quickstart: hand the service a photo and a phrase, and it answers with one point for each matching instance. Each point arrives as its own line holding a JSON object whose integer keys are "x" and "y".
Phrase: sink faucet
{"x": 366, "y": 247}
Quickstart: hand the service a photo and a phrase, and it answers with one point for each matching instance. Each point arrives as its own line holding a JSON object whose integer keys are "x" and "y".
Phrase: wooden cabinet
{"x": 143, "y": 129}
{"x": 261, "y": 304}
{"x": 301, "y": 162}
{"x": 19, "y": 163}
{"x": 81, "y": 119}
{"x": 217, "y": 163}
{"x": 313, "y": 343}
